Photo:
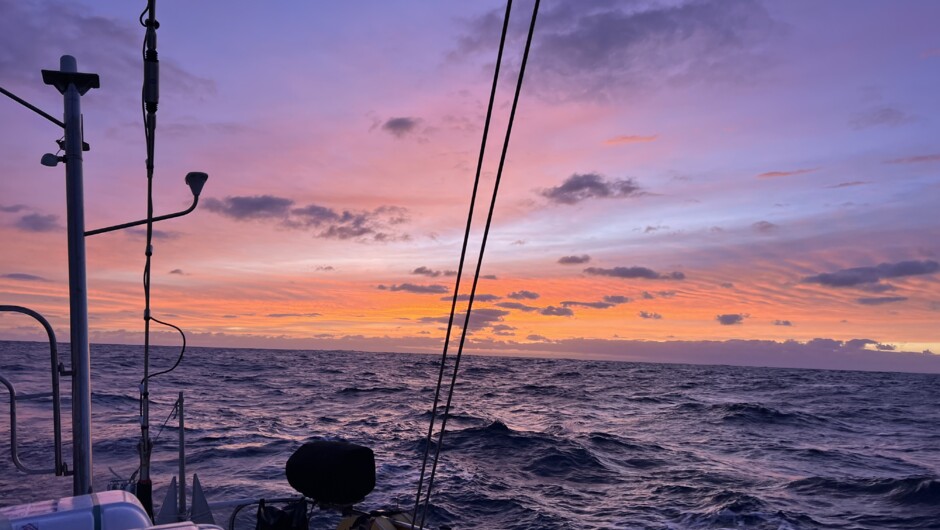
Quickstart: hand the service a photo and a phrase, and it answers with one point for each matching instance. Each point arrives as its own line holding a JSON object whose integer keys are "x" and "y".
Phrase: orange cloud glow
{"x": 631, "y": 139}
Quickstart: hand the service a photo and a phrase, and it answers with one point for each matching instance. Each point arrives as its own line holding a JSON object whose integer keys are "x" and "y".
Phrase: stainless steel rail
{"x": 60, "y": 468}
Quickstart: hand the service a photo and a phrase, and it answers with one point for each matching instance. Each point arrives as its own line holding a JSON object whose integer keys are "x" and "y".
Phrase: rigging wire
{"x": 476, "y": 276}
{"x": 179, "y": 358}
{"x": 170, "y": 416}
{"x": 150, "y": 95}
{"x": 463, "y": 254}
{"x": 149, "y": 108}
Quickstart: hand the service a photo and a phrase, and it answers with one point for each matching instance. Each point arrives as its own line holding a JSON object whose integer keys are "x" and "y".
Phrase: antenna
{"x": 196, "y": 180}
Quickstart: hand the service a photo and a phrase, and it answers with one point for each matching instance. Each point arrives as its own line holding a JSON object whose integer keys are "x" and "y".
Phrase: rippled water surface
{"x": 531, "y": 444}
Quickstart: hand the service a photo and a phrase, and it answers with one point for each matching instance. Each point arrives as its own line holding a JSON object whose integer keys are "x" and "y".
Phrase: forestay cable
{"x": 476, "y": 275}
{"x": 463, "y": 255}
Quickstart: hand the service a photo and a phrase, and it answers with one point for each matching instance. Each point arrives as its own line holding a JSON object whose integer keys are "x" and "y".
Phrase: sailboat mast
{"x": 72, "y": 85}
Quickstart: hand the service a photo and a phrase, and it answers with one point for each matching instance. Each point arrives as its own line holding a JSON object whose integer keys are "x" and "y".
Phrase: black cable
{"x": 148, "y": 98}
{"x": 179, "y": 359}
{"x": 169, "y": 416}
{"x": 476, "y": 276}
{"x": 31, "y": 107}
{"x": 463, "y": 254}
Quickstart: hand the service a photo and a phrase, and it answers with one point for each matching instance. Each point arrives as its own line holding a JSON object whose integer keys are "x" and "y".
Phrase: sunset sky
{"x": 680, "y": 173}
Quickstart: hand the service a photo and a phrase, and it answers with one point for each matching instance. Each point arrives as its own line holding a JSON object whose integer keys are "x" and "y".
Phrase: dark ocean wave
{"x": 530, "y": 444}
{"x": 757, "y": 413}
{"x": 749, "y": 413}
{"x": 904, "y": 491}
{"x": 242, "y": 450}
{"x": 371, "y": 390}
{"x": 108, "y": 399}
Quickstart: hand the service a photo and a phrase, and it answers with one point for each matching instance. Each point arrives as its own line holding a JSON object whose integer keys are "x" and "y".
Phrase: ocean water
{"x": 532, "y": 443}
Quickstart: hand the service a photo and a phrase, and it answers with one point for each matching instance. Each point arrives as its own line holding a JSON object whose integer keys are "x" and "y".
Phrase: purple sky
{"x": 682, "y": 174}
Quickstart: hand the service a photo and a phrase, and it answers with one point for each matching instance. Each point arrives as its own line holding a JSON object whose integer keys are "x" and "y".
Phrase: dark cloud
{"x": 478, "y": 298}
{"x": 881, "y": 300}
{"x": 328, "y": 223}
{"x": 830, "y": 344}
{"x": 441, "y": 319}
{"x": 517, "y": 306}
{"x": 883, "y": 116}
{"x": 915, "y": 159}
{"x": 415, "y": 288}
{"x": 325, "y": 268}
{"x": 254, "y": 207}
{"x": 13, "y": 208}
{"x": 764, "y": 227}
{"x": 868, "y": 277}
{"x": 400, "y": 127}
{"x": 574, "y": 260}
{"x": 23, "y": 277}
{"x": 537, "y": 338}
{"x": 650, "y": 229}
{"x": 730, "y": 319}
{"x": 862, "y": 344}
{"x": 649, "y": 315}
{"x": 634, "y": 272}
{"x": 616, "y": 299}
{"x": 503, "y": 330}
{"x": 658, "y": 294}
{"x": 604, "y": 50}
{"x": 348, "y": 224}
{"x": 579, "y": 187}
{"x": 782, "y": 323}
{"x": 425, "y": 271}
{"x": 488, "y": 277}
{"x": 856, "y": 344}
{"x": 523, "y": 295}
{"x": 775, "y": 174}
{"x": 593, "y": 305}
{"x": 291, "y": 315}
{"x": 35, "y": 222}
{"x": 178, "y": 271}
{"x": 479, "y": 319}
{"x": 849, "y": 184}
{"x": 726, "y": 285}
{"x": 556, "y": 311}
{"x": 482, "y": 297}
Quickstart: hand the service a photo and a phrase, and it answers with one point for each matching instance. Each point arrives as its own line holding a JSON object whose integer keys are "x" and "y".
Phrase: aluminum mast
{"x": 72, "y": 85}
